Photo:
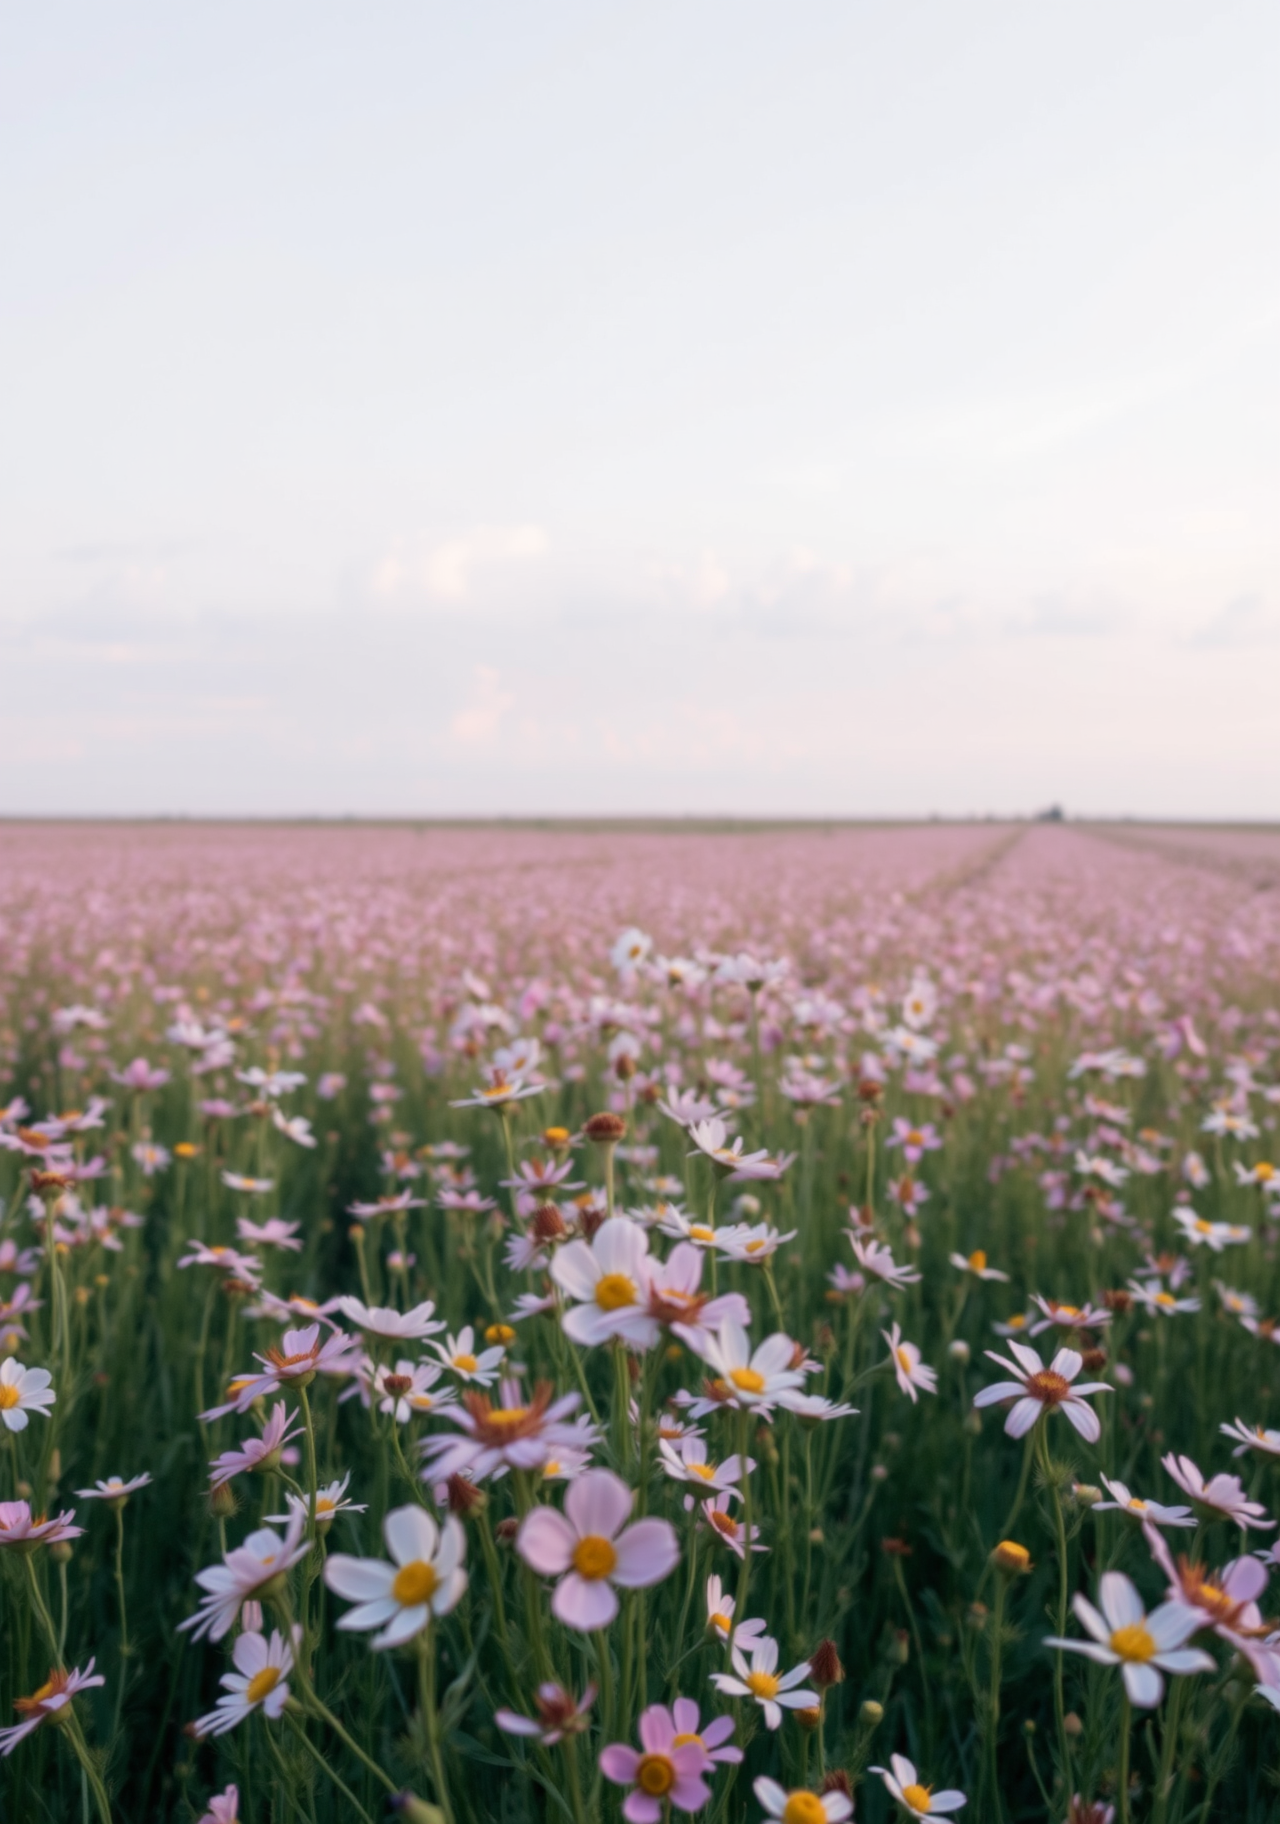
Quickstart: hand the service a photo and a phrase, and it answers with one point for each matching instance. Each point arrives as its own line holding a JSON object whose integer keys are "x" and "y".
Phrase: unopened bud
{"x": 825, "y": 1669}
{"x": 1086, "y": 1494}
{"x": 463, "y": 1497}
{"x": 60, "y": 1551}
{"x": 900, "y": 1651}
{"x": 505, "y": 1531}
{"x": 973, "y": 1423}
{"x": 959, "y": 1351}
{"x": 407, "y": 1805}
{"x": 500, "y": 1333}
{"x": 870, "y": 1712}
{"x": 1072, "y": 1724}
{"x": 222, "y": 1502}
{"x": 605, "y": 1129}
{"x": 1011, "y": 1558}
{"x": 809, "y": 1719}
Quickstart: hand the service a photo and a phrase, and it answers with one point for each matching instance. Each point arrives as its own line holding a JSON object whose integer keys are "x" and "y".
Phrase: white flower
{"x": 258, "y": 1682}
{"x": 1252, "y": 1437}
{"x": 976, "y": 1263}
{"x": 630, "y": 950}
{"x": 609, "y": 1277}
{"x": 1154, "y": 1511}
{"x": 400, "y": 1599}
{"x": 801, "y": 1807}
{"x": 1216, "y": 1236}
{"x": 750, "y": 1379}
{"x": 911, "y": 1372}
{"x": 720, "y": 1610}
{"x": 24, "y": 1390}
{"x": 1039, "y": 1390}
{"x": 379, "y": 1320}
{"x": 1144, "y": 1645}
{"x": 920, "y": 1801}
{"x": 115, "y": 1488}
{"x": 760, "y": 1680}
{"x": 458, "y": 1353}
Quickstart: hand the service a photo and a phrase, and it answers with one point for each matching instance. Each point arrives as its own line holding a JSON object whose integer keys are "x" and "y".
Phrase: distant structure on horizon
{"x": 1054, "y": 814}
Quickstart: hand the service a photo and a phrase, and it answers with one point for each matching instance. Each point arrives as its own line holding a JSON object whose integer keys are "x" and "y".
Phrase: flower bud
{"x": 809, "y": 1719}
{"x": 1011, "y": 1558}
{"x": 222, "y": 1502}
{"x": 500, "y": 1333}
{"x": 506, "y": 1530}
{"x": 415, "y": 1810}
{"x": 60, "y": 1551}
{"x": 825, "y": 1669}
{"x": 959, "y": 1351}
{"x": 1072, "y": 1724}
{"x": 838, "y": 1780}
{"x": 463, "y": 1497}
{"x": 870, "y": 1712}
{"x": 1086, "y": 1494}
{"x": 900, "y": 1651}
{"x": 605, "y": 1129}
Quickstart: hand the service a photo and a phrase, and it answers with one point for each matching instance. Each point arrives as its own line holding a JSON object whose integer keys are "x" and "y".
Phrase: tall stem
{"x": 430, "y": 1718}
{"x": 1123, "y": 1794}
{"x": 1059, "y": 1707}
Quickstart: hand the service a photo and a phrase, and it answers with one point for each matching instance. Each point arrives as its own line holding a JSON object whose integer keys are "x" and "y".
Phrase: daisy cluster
{"x": 580, "y": 1326}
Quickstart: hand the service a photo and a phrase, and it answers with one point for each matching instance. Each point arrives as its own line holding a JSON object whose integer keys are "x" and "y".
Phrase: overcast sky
{"x": 835, "y": 408}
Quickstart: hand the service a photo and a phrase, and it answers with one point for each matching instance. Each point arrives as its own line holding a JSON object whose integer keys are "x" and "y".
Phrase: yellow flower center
{"x": 614, "y": 1290}
{"x": 262, "y": 1684}
{"x": 415, "y": 1584}
{"x": 1133, "y": 1643}
{"x": 1047, "y": 1386}
{"x": 722, "y": 1622}
{"x": 706, "y": 1470}
{"x": 467, "y": 1363}
{"x": 700, "y": 1232}
{"x": 324, "y": 1505}
{"x": 507, "y": 1415}
{"x": 915, "y": 1137}
{"x": 747, "y": 1380}
{"x": 978, "y": 1260}
{"x": 1165, "y": 1298}
{"x": 762, "y": 1685}
{"x": 904, "y": 1360}
{"x": 918, "y": 1797}
{"x": 803, "y": 1808}
{"x": 9, "y": 1397}
{"x": 38, "y": 1697}
{"x": 593, "y": 1558}
{"x": 500, "y": 1333}
{"x": 1263, "y": 1171}
{"x": 1203, "y": 1227}
{"x": 655, "y": 1775}
{"x": 686, "y": 1740}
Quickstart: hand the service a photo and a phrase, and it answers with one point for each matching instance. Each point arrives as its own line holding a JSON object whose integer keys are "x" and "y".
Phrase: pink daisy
{"x": 590, "y": 1548}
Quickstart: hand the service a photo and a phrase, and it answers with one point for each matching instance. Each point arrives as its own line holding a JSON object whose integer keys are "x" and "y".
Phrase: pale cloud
{"x": 486, "y": 707}
{"x": 448, "y": 570}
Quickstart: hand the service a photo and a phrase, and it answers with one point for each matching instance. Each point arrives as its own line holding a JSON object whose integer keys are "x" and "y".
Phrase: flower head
{"x": 667, "y": 1773}
{"x": 1222, "y": 1495}
{"x": 1142, "y": 1645}
{"x": 918, "y": 1801}
{"x": 260, "y": 1681}
{"x": 590, "y": 1548}
{"x": 760, "y": 1680}
{"x": 246, "y": 1572}
{"x": 1039, "y": 1390}
{"x": 115, "y": 1490}
{"x": 559, "y": 1714}
{"x": 424, "y": 1580}
{"x": 48, "y": 1704}
{"x": 800, "y": 1806}
{"x": 23, "y": 1391}
{"x": 911, "y": 1372}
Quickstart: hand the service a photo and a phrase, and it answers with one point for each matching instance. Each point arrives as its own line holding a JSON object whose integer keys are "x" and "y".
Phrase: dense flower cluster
{"x": 513, "y": 1312}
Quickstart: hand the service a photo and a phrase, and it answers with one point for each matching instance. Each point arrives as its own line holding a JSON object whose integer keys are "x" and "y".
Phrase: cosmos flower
{"x": 976, "y": 1263}
{"x": 760, "y": 1680}
{"x": 1142, "y": 1645}
{"x": 668, "y": 1772}
{"x": 47, "y": 1705}
{"x": 711, "y": 1139}
{"x": 1212, "y": 1235}
{"x": 331, "y": 1499}
{"x": 224, "y": 1807}
{"x": 800, "y": 1806}
{"x": 1153, "y": 1511}
{"x": 879, "y": 1263}
{"x": 590, "y": 1548}
{"x": 244, "y": 1573}
{"x": 913, "y": 1375}
{"x": 381, "y": 1320}
{"x": 115, "y": 1490}
{"x": 1039, "y": 1390}
{"x": 920, "y": 1801}
{"x": 559, "y": 1714}
{"x": 608, "y": 1276}
{"x": 1252, "y": 1437}
{"x": 458, "y": 1354}
{"x": 750, "y": 1378}
{"x": 260, "y": 1681}
{"x": 259, "y": 1454}
{"x": 1068, "y": 1317}
{"x": 1222, "y": 1495}
{"x": 24, "y": 1391}
{"x": 523, "y": 1431}
{"x": 720, "y": 1613}
{"x": 687, "y": 1462}
{"x": 19, "y": 1528}
{"x": 424, "y": 1581}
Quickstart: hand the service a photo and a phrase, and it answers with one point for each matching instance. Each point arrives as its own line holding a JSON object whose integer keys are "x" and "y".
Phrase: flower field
{"x": 578, "y": 1323}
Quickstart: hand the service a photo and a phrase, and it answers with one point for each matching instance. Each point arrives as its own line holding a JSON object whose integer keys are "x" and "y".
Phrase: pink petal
{"x": 619, "y": 1763}
{"x": 598, "y": 1503}
{"x": 545, "y": 1541}
{"x": 584, "y": 1604}
{"x": 647, "y": 1552}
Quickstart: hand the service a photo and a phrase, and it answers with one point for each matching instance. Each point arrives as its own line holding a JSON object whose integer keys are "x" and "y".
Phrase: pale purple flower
{"x": 608, "y": 1276}
{"x": 139, "y": 1075}
{"x": 260, "y": 1454}
{"x": 259, "y": 1560}
{"x": 224, "y": 1807}
{"x": 590, "y": 1548}
{"x": 1154, "y": 1511}
{"x": 19, "y": 1528}
{"x": 1223, "y": 1495}
{"x": 48, "y": 1705}
{"x": 914, "y": 1141}
{"x": 259, "y": 1682}
{"x": 912, "y": 1374}
{"x": 666, "y": 1774}
{"x": 274, "y": 1233}
{"x": 559, "y": 1714}
{"x": 381, "y": 1320}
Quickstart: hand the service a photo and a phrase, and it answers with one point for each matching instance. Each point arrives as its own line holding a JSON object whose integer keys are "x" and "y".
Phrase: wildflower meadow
{"x": 587, "y": 1323}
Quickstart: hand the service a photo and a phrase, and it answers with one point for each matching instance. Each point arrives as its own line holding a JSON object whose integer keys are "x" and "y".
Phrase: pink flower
{"x": 609, "y": 1277}
{"x": 1223, "y": 1495}
{"x": 590, "y": 1548}
{"x": 140, "y": 1075}
{"x": 914, "y": 1141}
{"x": 224, "y": 1807}
{"x": 559, "y": 1714}
{"x": 666, "y": 1773}
{"x": 48, "y": 1705}
{"x": 256, "y": 1453}
{"x": 18, "y": 1528}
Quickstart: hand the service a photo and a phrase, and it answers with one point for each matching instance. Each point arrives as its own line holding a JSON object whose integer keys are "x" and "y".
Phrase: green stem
{"x": 430, "y": 1718}
{"x": 1123, "y": 1781}
{"x": 327, "y": 1769}
{"x": 1059, "y": 1706}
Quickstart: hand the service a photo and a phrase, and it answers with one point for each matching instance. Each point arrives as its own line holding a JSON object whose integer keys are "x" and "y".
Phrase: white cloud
{"x": 481, "y": 718}
{"x": 450, "y": 570}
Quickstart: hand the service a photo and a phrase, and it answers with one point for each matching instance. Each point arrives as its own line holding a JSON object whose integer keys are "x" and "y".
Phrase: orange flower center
{"x": 614, "y": 1291}
{"x": 804, "y": 1808}
{"x": 414, "y": 1584}
{"x": 262, "y": 1684}
{"x": 655, "y": 1775}
{"x": 9, "y": 1397}
{"x": 978, "y": 1260}
{"x": 1047, "y": 1386}
{"x": 918, "y": 1797}
{"x": 593, "y": 1558}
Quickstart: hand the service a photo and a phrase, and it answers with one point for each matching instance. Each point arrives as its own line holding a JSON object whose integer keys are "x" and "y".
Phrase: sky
{"x": 835, "y": 410}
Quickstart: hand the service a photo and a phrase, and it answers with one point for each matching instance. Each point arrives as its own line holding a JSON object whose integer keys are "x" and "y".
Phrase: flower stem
{"x": 431, "y": 1719}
